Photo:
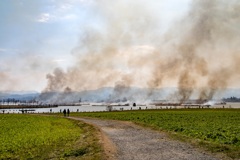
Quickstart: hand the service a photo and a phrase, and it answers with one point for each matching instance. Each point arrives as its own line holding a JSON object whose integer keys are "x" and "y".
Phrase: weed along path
{"x": 127, "y": 141}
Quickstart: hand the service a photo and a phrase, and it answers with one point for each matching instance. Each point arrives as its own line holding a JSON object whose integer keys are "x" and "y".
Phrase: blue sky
{"x": 38, "y": 36}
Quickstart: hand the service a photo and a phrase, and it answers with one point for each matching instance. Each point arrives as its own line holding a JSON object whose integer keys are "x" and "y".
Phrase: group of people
{"x": 66, "y": 112}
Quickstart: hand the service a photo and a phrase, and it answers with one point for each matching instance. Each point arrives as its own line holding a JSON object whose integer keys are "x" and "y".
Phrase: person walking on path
{"x": 64, "y": 112}
{"x": 68, "y": 112}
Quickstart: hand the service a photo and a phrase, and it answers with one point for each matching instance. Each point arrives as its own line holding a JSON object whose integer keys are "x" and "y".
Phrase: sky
{"x": 38, "y": 36}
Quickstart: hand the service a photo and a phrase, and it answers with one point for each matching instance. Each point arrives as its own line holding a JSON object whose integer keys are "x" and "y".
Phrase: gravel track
{"x": 127, "y": 141}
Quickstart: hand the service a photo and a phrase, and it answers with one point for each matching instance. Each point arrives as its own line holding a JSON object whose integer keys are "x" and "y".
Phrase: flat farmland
{"x": 216, "y": 130}
{"x": 46, "y": 137}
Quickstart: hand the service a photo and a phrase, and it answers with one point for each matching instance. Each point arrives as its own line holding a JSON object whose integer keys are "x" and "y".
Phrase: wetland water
{"x": 93, "y": 108}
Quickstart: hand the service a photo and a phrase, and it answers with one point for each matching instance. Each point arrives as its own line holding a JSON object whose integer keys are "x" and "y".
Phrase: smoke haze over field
{"x": 199, "y": 53}
{"x": 72, "y": 46}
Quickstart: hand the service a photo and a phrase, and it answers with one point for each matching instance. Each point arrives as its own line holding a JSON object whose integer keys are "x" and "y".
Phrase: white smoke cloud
{"x": 108, "y": 53}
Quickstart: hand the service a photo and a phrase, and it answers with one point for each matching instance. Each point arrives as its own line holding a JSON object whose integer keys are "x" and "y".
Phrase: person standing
{"x": 64, "y": 112}
{"x": 68, "y": 112}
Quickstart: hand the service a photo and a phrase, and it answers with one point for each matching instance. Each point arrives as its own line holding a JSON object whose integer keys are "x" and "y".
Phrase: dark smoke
{"x": 197, "y": 54}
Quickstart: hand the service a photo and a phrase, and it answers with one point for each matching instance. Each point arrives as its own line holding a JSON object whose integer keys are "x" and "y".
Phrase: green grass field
{"x": 218, "y": 130}
{"x": 46, "y": 137}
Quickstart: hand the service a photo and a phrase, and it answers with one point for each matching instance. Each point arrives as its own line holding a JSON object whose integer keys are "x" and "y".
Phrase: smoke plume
{"x": 199, "y": 53}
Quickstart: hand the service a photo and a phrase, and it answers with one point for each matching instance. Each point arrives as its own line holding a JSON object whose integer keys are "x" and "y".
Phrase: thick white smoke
{"x": 126, "y": 48}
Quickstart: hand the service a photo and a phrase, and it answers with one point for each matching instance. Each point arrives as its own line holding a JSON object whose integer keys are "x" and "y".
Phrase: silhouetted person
{"x": 60, "y": 111}
{"x": 134, "y": 104}
{"x": 64, "y": 112}
{"x": 68, "y": 112}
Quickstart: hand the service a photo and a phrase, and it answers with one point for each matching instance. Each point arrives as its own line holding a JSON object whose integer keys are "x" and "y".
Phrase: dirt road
{"x": 127, "y": 141}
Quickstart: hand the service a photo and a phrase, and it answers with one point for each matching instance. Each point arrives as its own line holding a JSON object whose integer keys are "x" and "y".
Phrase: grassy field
{"x": 46, "y": 137}
{"x": 217, "y": 130}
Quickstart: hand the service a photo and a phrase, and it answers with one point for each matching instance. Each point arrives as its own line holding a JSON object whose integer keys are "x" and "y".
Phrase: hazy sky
{"x": 37, "y": 36}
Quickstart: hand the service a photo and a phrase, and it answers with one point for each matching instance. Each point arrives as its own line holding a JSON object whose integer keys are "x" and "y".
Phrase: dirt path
{"x": 126, "y": 141}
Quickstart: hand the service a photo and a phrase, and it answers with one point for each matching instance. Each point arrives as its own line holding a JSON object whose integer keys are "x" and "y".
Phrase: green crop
{"x": 32, "y": 137}
{"x": 216, "y": 127}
